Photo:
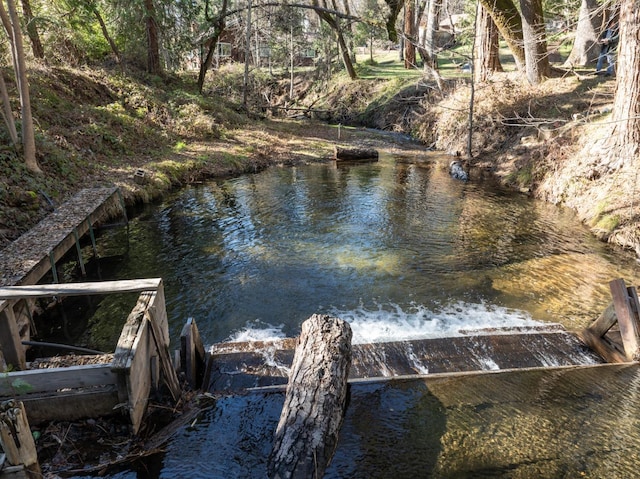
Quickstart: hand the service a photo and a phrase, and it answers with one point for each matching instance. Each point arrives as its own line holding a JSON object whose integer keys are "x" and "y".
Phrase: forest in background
{"x": 93, "y": 90}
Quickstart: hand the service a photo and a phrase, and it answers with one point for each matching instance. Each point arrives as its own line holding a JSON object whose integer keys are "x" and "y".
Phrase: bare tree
{"x": 32, "y": 30}
{"x": 585, "y": 46}
{"x": 507, "y": 18}
{"x": 486, "y": 58}
{"x": 535, "y": 41}
{"x": 12, "y": 21}
{"x": 624, "y": 145}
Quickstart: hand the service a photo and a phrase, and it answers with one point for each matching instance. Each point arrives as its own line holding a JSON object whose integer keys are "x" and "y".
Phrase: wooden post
{"x": 192, "y": 355}
{"x": 16, "y": 438}
{"x": 313, "y": 410}
{"x": 626, "y": 319}
{"x": 10, "y": 341}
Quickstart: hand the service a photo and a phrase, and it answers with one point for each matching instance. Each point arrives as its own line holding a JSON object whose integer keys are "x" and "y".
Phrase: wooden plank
{"x": 605, "y": 322}
{"x": 27, "y": 259}
{"x": 168, "y": 372}
{"x": 10, "y": 342}
{"x": 79, "y": 289}
{"x": 626, "y": 319}
{"x": 601, "y": 346}
{"x": 53, "y": 379}
{"x": 124, "y": 349}
{"x": 138, "y": 376}
{"x": 192, "y": 355}
{"x": 71, "y": 405}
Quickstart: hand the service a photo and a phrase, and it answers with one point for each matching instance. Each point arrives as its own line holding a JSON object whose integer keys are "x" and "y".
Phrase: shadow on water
{"x": 548, "y": 424}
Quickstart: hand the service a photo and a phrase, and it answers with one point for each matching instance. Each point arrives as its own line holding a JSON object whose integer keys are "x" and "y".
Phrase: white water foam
{"x": 393, "y": 323}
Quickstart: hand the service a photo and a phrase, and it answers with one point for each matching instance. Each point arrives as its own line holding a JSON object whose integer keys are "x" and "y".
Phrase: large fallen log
{"x": 313, "y": 410}
{"x": 355, "y": 154}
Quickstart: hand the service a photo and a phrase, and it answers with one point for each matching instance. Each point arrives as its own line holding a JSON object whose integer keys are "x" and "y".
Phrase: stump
{"x": 355, "y": 154}
{"x": 313, "y": 410}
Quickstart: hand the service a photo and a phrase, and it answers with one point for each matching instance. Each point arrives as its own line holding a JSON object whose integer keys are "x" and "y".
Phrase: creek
{"x": 402, "y": 251}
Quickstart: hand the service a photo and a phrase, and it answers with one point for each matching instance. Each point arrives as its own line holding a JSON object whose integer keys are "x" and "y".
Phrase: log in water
{"x": 313, "y": 410}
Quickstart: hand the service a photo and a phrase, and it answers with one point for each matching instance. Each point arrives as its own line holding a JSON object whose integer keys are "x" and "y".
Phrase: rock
{"x": 457, "y": 171}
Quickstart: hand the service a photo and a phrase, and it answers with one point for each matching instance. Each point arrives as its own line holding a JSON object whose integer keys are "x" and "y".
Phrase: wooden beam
{"x": 168, "y": 372}
{"x": 192, "y": 354}
{"x": 602, "y": 346}
{"x": 10, "y": 342}
{"x": 605, "y": 322}
{"x": 53, "y": 379}
{"x": 626, "y": 319}
{"x": 79, "y": 289}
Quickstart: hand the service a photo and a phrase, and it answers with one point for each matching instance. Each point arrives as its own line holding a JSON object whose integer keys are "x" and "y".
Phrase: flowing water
{"x": 401, "y": 251}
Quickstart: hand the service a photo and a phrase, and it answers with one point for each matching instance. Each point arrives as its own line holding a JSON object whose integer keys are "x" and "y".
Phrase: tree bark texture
{"x": 354, "y": 154}
{"x": 153, "y": 39}
{"x": 409, "y": 35}
{"x": 535, "y": 41}
{"x": 313, "y": 411}
{"x": 626, "y": 105}
{"x": 507, "y": 18}
{"x": 32, "y": 30}
{"x": 585, "y": 46}
{"x": 430, "y": 47}
{"x": 487, "y": 59}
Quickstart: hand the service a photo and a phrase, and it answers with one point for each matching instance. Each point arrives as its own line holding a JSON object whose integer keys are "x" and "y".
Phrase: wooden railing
{"x": 141, "y": 359}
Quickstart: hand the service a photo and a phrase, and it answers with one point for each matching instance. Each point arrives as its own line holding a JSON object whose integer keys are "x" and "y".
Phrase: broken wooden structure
{"x": 355, "y": 154}
{"x": 141, "y": 362}
{"x": 34, "y": 254}
{"x": 313, "y": 411}
{"x": 615, "y": 334}
{"x": 17, "y": 442}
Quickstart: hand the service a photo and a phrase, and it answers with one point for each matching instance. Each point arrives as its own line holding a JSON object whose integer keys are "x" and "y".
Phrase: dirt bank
{"x": 535, "y": 139}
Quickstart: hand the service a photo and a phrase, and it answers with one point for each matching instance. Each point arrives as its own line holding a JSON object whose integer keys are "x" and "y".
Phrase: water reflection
{"x": 274, "y": 248}
{"x": 551, "y": 424}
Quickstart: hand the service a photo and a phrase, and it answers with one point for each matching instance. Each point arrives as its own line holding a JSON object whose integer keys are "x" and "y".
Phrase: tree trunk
{"x": 7, "y": 114}
{"x": 625, "y": 139}
{"x": 585, "y": 46}
{"x": 535, "y": 41}
{"x": 430, "y": 47}
{"x": 342, "y": 44}
{"x": 32, "y": 30}
{"x": 105, "y": 32}
{"x": 28, "y": 133}
{"x": 395, "y": 6}
{"x": 313, "y": 410}
{"x": 153, "y": 42}
{"x": 486, "y": 55}
{"x": 409, "y": 35}
{"x": 509, "y": 23}
{"x": 219, "y": 25}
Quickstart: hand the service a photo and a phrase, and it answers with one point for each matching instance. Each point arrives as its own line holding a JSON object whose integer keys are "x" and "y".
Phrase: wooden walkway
{"x": 29, "y": 258}
{"x": 238, "y": 366}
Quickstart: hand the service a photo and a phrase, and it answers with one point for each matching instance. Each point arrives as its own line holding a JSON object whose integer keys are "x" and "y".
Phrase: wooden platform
{"x": 238, "y": 366}
{"x": 29, "y": 258}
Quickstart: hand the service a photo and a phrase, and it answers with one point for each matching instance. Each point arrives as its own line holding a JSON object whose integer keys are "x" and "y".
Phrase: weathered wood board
{"x": 268, "y": 364}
